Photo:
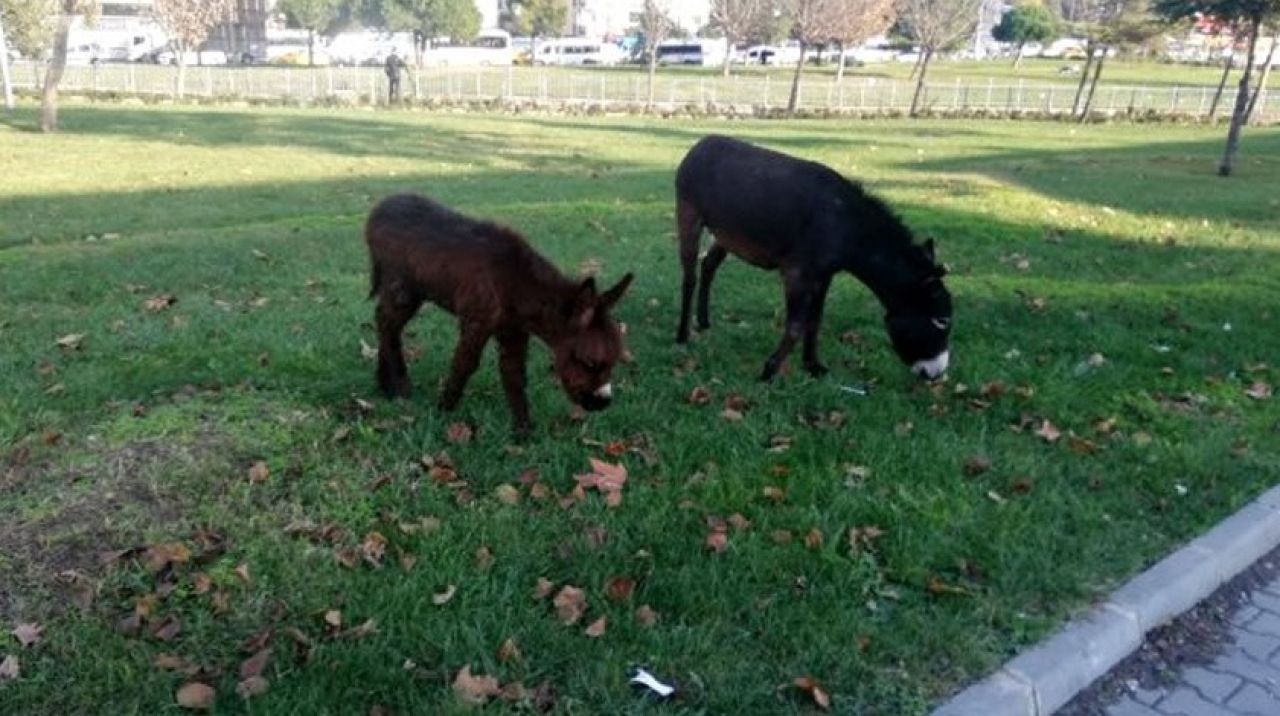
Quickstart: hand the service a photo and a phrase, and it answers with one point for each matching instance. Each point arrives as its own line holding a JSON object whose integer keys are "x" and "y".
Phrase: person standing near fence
{"x": 394, "y": 67}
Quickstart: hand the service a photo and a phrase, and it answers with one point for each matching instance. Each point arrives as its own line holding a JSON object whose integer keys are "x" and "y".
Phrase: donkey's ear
{"x": 583, "y": 306}
{"x": 610, "y": 297}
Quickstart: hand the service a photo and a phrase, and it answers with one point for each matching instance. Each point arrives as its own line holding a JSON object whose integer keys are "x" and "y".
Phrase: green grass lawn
{"x": 1105, "y": 281}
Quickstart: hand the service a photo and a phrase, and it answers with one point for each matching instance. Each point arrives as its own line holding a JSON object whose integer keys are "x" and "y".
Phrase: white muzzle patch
{"x": 605, "y": 391}
{"x": 933, "y": 367}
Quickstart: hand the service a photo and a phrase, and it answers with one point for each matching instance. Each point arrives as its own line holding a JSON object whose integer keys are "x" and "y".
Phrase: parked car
{"x": 167, "y": 55}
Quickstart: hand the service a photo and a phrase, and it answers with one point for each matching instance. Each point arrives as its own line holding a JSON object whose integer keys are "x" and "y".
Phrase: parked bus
{"x": 491, "y": 47}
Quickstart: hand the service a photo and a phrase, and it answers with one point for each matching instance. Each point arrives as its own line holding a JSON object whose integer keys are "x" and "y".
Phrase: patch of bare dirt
{"x": 68, "y": 515}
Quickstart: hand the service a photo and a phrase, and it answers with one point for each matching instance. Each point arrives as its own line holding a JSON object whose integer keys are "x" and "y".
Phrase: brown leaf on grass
{"x": 333, "y": 619}
{"x": 173, "y": 662}
{"x": 219, "y": 601}
{"x": 864, "y": 537}
{"x": 379, "y": 482}
{"x": 543, "y": 588}
{"x": 645, "y": 616}
{"x": 508, "y": 651}
{"x": 607, "y": 478}
{"x": 938, "y": 587}
{"x": 475, "y": 690}
{"x": 254, "y": 665}
{"x": 596, "y": 629}
{"x": 347, "y": 557}
{"x": 738, "y": 522}
{"x": 814, "y": 539}
{"x": 717, "y": 541}
{"x": 71, "y": 341}
{"x": 774, "y": 493}
{"x": 1104, "y": 426}
{"x": 570, "y": 604}
{"x": 256, "y": 642}
{"x": 1081, "y": 446}
{"x": 160, "y": 556}
{"x": 258, "y": 472}
{"x": 991, "y": 390}
{"x": 781, "y": 536}
{"x": 731, "y": 415}
{"x": 10, "y": 670}
{"x": 1258, "y": 391}
{"x": 365, "y": 629}
{"x": 27, "y": 634}
{"x": 201, "y": 583}
{"x": 166, "y": 629}
{"x": 513, "y": 692}
{"x": 407, "y": 560}
{"x": 814, "y": 690}
{"x": 1048, "y": 432}
{"x": 252, "y": 686}
{"x": 619, "y": 589}
{"x": 159, "y": 302}
{"x": 50, "y": 437}
{"x": 616, "y": 448}
{"x": 1021, "y": 486}
{"x": 196, "y": 696}
{"x": 507, "y": 494}
{"x": 442, "y": 598}
{"x": 458, "y": 433}
{"x": 700, "y": 395}
{"x": 483, "y": 556}
{"x": 539, "y": 492}
{"x": 374, "y": 548}
{"x": 976, "y": 465}
{"x": 242, "y": 572}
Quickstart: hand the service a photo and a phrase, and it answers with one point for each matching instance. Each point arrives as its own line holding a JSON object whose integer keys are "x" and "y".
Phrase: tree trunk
{"x": 181, "y": 88}
{"x": 840, "y": 64}
{"x": 1093, "y": 86}
{"x": 311, "y": 48}
{"x": 1261, "y": 89}
{"x": 728, "y": 53}
{"x": 916, "y": 67}
{"x": 1222, "y": 84}
{"x": 1017, "y": 57}
{"x": 53, "y": 75}
{"x": 653, "y": 74}
{"x": 795, "y": 81}
{"x": 925, "y": 57}
{"x": 1242, "y": 103}
{"x": 4, "y": 69}
{"x": 1084, "y": 77}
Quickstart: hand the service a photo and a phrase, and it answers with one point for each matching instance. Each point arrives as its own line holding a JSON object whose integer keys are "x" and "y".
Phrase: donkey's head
{"x": 919, "y": 324}
{"x": 585, "y": 354}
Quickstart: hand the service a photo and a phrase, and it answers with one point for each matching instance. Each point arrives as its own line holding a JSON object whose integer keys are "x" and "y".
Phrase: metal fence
{"x": 620, "y": 89}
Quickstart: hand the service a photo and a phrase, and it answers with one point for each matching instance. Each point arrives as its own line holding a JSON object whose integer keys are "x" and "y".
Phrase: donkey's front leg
{"x": 466, "y": 358}
{"x": 513, "y": 350}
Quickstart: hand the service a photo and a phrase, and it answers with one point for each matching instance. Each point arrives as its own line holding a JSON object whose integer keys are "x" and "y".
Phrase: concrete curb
{"x": 1042, "y": 679}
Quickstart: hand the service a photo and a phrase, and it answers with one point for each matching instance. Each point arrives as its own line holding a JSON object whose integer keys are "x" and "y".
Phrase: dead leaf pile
{"x": 607, "y": 478}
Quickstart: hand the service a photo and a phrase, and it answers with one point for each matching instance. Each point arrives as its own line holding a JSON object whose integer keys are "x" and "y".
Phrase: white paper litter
{"x": 648, "y": 680}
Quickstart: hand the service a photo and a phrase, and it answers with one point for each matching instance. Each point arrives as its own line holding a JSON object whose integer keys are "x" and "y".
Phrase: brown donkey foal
{"x": 497, "y": 286}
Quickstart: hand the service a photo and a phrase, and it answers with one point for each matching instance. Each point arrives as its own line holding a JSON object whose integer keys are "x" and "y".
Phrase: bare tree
{"x": 188, "y": 23}
{"x": 1124, "y": 24}
{"x": 739, "y": 20}
{"x": 935, "y": 26}
{"x": 64, "y": 13}
{"x": 856, "y": 21}
{"x": 811, "y": 24}
{"x": 1262, "y": 81}
{"x": 656, "y": 26}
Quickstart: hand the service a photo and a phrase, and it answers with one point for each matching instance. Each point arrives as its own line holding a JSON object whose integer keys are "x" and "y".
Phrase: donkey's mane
{"x": 889, "y": 227}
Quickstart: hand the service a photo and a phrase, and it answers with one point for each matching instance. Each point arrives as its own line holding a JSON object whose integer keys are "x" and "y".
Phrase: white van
{"x": 490, "y": 48}
{"x": 577, "y": 51}
{"x": 697, "y": 51}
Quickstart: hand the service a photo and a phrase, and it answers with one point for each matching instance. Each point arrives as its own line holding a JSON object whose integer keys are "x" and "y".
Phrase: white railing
{"x": 561, "y": 86}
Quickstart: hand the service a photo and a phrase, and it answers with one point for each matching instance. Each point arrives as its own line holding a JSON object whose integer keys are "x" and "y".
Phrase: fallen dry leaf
{"x": 9, "y": 669}
{"x": 27, "y": 634}
{"x": 458, "y": 433}
{"x": 606, "y": 478}
{"x": 781, "y": 536}
{"x": 254, "y": 665}
{"x": 252, "y": 686}
{"x": 441, "y": 598}
{"x": 1048, "y": 432}
{"x": 976, "y": 465}
{"x": 938, "y": 587}
{"x": 476, "y": 690}
{"x": 483, "y": 556}
{"x": 374, "y": 548}
{"x": 71, "y": 341}
{"x": 258, "y": 472}
{"x": 814, "y": 690}
{"x": 596, "y": 628}
{"x": 333, "y": 618}
{"x": 1021, "y": 486}
{"x": 159, "y": 302}
{"x": 1081, "y": 446}
{"x": 368, "y": 627}
{"x": 543, "y": 588}
{"x": 619, "y": 589}
{"x": 570, "y": 604}
{"x": 814, "y": 539}
{"x": 774, "y": 493}
{"x": 196, "y": 696}
{"x": 645, "y": 616}
{"x": 507, "y": 494}
{"x": 731, "y": 415}
{"x": 242, "y": 572}
{"x": 160, "y": 556}
{"x": 616, "y": 448}
{"x": 167, "y": 628}
{"x": 508, "y": 651}
{"x": 201, "y": 583}
{"x": 717, "y": 541}
{"x": 700, "y": 395}
{"x": 1258, "y": 391}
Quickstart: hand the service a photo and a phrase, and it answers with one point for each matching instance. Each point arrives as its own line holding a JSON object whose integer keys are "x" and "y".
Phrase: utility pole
{"x": 4, "y": 69}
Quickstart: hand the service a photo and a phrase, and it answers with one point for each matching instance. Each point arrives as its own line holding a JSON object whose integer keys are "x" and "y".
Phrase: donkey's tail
{"x": 375, "y": 279}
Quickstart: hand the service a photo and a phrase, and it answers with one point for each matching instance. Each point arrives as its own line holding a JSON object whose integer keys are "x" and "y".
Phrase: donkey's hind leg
{"x": 395, "y": 309}
{"x": 688, "y": 233}
{"x": 715, "y": 257}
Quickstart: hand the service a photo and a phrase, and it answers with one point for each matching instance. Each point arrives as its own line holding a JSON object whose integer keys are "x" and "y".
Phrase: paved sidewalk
{"x": 1243, "y": 679}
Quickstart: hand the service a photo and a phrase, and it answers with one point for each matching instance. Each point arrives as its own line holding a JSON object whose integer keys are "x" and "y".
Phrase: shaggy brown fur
{"x": 497, "y": 286}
